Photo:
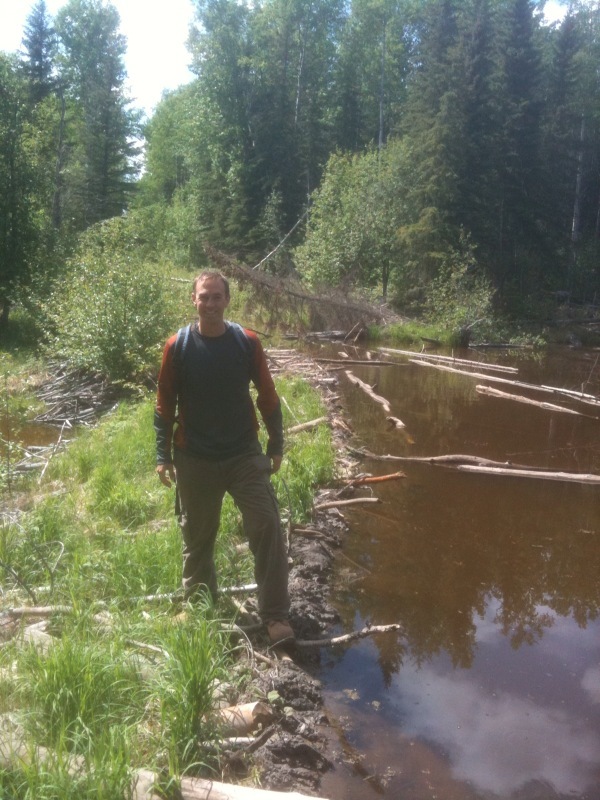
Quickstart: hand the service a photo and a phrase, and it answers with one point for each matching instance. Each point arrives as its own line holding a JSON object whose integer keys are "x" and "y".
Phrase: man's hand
{"x": 275, "y": 464}
{"x": 166, "y": 474}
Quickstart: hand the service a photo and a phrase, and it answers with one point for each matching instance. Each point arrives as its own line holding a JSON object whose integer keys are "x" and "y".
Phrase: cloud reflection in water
{"x": 497, "y": 742}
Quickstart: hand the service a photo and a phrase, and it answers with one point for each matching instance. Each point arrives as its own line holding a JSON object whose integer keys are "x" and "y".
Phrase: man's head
{"x": 210, "y": 296}
{"x": 211, "y": 273}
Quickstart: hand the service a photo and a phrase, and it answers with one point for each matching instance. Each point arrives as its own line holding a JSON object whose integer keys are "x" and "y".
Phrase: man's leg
{"x": 200, "y": 494}
{"x": 249, "y": 483}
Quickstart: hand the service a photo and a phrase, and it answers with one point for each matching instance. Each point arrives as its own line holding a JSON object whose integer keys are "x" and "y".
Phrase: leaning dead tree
{"x": 287, "y": 297}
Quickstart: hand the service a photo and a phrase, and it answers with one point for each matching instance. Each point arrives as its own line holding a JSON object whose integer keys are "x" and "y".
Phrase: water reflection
{"x": 457, "y": 539}
{"x": 494, "y": 681}
{"x": 498, "y": 740}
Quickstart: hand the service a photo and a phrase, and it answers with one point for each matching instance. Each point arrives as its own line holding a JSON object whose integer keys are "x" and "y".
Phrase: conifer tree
{"x": 39, "y": 52}
{"x": 519, "y": 143}
{"x": 17, "y": 182}
{"x": 101, "y": 127}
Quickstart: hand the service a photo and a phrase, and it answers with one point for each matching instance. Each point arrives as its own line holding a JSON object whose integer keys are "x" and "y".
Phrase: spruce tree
{"x": 39, "y": 52}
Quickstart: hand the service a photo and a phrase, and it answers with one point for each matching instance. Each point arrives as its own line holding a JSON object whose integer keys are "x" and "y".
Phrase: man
{"x": 204, "y": 386}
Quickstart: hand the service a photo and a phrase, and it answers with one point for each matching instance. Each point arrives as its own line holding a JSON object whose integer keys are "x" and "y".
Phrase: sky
{"x": 156, "y": 31}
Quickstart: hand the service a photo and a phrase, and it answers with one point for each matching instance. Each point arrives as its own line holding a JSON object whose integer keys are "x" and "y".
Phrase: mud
{"x": 297, "y": 749}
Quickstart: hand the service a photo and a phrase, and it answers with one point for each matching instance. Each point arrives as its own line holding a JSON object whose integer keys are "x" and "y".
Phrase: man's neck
{"x": 212, "y": 328}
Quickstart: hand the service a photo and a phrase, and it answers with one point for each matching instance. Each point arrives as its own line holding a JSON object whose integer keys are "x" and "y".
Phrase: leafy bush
{"x": 108, "y": 313}
{"x": 461, "y": 295}
{"x": 356, "y": 213}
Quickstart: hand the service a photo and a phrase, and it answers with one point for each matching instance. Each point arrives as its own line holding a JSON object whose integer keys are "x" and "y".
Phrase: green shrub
{"x": 461, "y": 295}
{"x": 109, "y": 313}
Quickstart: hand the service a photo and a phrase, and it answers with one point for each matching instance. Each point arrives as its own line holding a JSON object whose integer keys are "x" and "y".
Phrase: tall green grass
{"x": 123, "y": 685}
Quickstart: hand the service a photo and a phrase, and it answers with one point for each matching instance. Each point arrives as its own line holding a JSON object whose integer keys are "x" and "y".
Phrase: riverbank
{"x": 91, "y": 554}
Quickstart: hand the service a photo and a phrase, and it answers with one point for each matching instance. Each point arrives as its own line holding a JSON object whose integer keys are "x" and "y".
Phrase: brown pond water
{"x": 492, "y": 689}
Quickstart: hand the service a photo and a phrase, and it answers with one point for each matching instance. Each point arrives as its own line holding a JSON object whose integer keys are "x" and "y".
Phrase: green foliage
{"x": 357, "y": 212}
{"x": 98, "y": 176}
{"x": 197, "y": 660}
{"x": 308, "y": 460}
{"x": 78, "y": 690}
{"x": 107, "y": 313}
{"x": 18, "y": 228}
{"x": 410, "y": 333}
{"x": 461, "y": 295}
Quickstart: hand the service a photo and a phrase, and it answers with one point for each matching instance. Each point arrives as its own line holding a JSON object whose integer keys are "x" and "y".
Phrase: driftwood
{"x": 245, "y": 718}
{"x": 202, "y": 789}
{"x": 354, "y": 501}
{"x": 546, "y": 475}
{"x": 356, "y": 333}
{"x": 497, "y": 379}
{"x": 374, "y": 479}
{"x": 348, "y": 637}
{"x": 500, "y": 346}
{"x": 394, "y": 422}
{"x": 368, "y": 390}
{"x": 75, "y": 397}
{"x": 349, "y": 360}
{"x": 451, "y": 360}
{"x": 467, "y": 463}
{"x": 442, "y": 460}
{"x": 490, "y": 392}
{"x": 38, "y": 611}
{"x": 572, "y": 393}
{"x": 304, "y": 426}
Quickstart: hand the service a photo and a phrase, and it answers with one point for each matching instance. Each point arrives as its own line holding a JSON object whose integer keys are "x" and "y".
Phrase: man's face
{"x": 210, "y": 299}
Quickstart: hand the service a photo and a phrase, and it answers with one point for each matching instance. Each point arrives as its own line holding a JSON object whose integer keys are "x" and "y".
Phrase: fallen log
{"x": 491, "y": 392}
{"x": 572, "y": 477}
{"x": 497, "y": 379}
{"x": 245, "y": 718}
{"x": 348, "y": 637}
{"x": 38, "y": 611}
{"x": 451, "y": 359}
{"x": 368, "y": 390}
{"x": 394, "y": 422}
{"x": 146, "y": 787}
{"x": 572, "y": 393}
{"x": 304, "y": 426}
{"x": 393, "y": 476}
{"x": 349, "y": 360}
{"x": 353, "y": 501}
{"x": 467, "y": 463}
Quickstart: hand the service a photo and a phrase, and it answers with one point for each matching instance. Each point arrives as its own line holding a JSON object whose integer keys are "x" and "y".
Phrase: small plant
{"x": 197, "y": 658}
{"x": 77, "y": 691}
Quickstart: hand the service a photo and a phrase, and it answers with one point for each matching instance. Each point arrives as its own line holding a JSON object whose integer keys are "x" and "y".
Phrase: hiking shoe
{"x": 280, "y": 631}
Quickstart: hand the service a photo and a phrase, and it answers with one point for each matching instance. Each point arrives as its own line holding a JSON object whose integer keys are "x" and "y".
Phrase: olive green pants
{"x": 201, "y": 487}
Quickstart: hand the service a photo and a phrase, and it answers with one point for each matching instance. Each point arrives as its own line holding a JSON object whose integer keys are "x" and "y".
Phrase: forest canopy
{"x": 369, "y": 146}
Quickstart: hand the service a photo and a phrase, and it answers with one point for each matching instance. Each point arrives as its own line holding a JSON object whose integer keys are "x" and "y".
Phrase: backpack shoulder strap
{"x": 241, "y": 336}
{"x": 183, "y": 334}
